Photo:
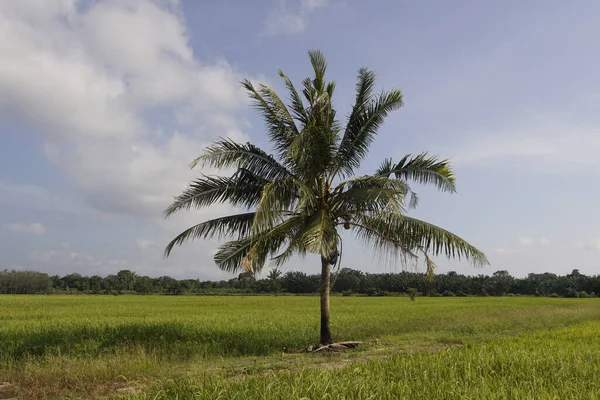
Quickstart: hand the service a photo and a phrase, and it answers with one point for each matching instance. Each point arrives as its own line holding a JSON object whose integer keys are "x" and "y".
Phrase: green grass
{"x": 549, "y": 365}
{"x": 221, "y": 347}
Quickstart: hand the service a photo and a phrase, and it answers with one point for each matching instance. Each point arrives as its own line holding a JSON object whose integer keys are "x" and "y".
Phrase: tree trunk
{"x": 325, "y": 291}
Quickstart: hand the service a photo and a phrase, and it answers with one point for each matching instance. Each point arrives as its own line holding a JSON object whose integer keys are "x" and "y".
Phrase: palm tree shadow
{"x": 165, "y": 340}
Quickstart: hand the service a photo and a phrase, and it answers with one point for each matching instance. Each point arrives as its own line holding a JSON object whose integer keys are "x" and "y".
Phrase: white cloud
{"x": 541, "y": 143}
{"x": 27, "y": 195}
{"x": 146, "y": 244}
{"x": 95, "y": 80}
{"x": 123, "y": 105}
{"x": 288, "y": 19}
{"x": 529, "y": 241}
{"x": 503, "y": 250}
{"x": 310, "y": 5}
{"x": 81, "y": 257}
{"x": 36, "y": 229}
{"x": 592, "y": 245}
{"x": 526, "y": 241}
{"x": 64, "y": 258}
{"x": 75, "y": 261}
{"x": 48, "y": 256}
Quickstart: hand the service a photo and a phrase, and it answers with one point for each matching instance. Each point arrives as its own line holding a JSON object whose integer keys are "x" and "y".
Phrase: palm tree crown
{"x": 299, "y": 196}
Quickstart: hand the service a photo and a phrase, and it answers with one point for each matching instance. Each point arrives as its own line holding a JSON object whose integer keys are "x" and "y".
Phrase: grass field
{"x": 186, "y": 347}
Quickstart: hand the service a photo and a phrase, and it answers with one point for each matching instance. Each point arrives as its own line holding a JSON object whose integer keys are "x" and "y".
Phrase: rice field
{"x": 194, "y": 347}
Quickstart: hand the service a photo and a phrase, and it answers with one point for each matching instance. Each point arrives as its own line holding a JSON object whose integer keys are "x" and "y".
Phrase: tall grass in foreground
{"x": 180, "y": 328}
{"x": 562, "y": 364}
{"x": 88, "y": 346}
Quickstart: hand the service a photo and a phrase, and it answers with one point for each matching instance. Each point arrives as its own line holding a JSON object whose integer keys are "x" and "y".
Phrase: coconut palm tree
{"x": 298, "y": 197}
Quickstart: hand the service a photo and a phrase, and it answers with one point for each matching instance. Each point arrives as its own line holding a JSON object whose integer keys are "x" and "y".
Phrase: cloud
{"x": 64, "y": 258}
{"x": 36, "y": 229}
{"x": 526, "y": 241}
{"x": 541, "y": 143}
{"x": 123, "y": 105}
{"x": 27, "y": 195}
{"x": 47, "y": 256}
{"x": 107, "y": 84}
{"x": 593, "y": 245}
{"x": 529, "y": 241}
{"x": 286, "y": 19}
{"x": 74, "y": 260}
{"x": 504, "y": 250}
{"x": 146, "y": 244}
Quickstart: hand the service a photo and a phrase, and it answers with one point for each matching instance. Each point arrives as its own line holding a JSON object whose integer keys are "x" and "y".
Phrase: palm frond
{"x": 320, "y": 234}
{"x": 309, "y": 91}
{"x": 280, "y": 124}
{"x": 423, "y": 169}
{"x": 319, "y": 64}
{"x": 295, "y": 246}
{"x": 369, "y": 193}
{"x": 413, "y": 199}
{"x": 423, "y": 236}
{"x": 440, "y": 242}
{"x": 364, "y": 96}
{"x": 278, "y": 198}
{"x": 231, "y": 254}
{"x": 313, "y": 150}
{"x": 296, "y": 101}
{"x": 252, "y": 251}
{"x": 362, "y": 127}
{"x": 225, "y": 153}
{"x": 382, "y": 242}
{"x": 241, "y": 189}
{"x": 232, "y": 225}
{"x": 430, "y": 266}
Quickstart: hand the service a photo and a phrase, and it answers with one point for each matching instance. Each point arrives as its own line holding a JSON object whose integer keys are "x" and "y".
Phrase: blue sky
{"x": 104, "y": 103}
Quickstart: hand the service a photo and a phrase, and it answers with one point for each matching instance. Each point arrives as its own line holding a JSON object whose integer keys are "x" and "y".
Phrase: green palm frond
{"x": 230, "y": 255}
{"x": 422, "y": 236}
{"x": 293, "y": 248}
{"x": 369, "y": 193}
{"x": 313, "y": 150}
{"x": 382, "y": 242}
{"x": 440, "y": 242}
{"x": 309, "y": 92}
{"x": 225, "y": 153}
{"x": 280, "y": 198}
{"x": 423, "y": 169}
{"x": 413, "y": 199}
{"x": 280, "y": 124}
{"x": 241, "y": 189}
{"x": 232, "y": 225}
{"x": 319, "y": 64}
{"x": 296, "y": 101}
{"x": 362, "y": 128}
{"x": 364, "y": 96}
{"x": 320, "y": 234}
{"x": 252, "y": 251}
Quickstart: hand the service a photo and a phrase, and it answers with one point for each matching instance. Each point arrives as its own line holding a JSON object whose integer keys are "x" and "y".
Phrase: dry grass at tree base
{"x": 190, "y": 347}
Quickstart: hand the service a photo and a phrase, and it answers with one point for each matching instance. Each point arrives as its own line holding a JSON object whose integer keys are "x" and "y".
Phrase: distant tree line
{"x": 346, "y": 281}
{"x": 24, "y": 282}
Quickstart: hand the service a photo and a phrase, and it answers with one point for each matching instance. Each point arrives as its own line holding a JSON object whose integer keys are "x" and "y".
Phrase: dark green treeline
{"x": 346, "y": 281}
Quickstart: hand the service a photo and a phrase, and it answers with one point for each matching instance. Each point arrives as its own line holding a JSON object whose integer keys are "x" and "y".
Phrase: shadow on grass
{"x": 168, "y": 340}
